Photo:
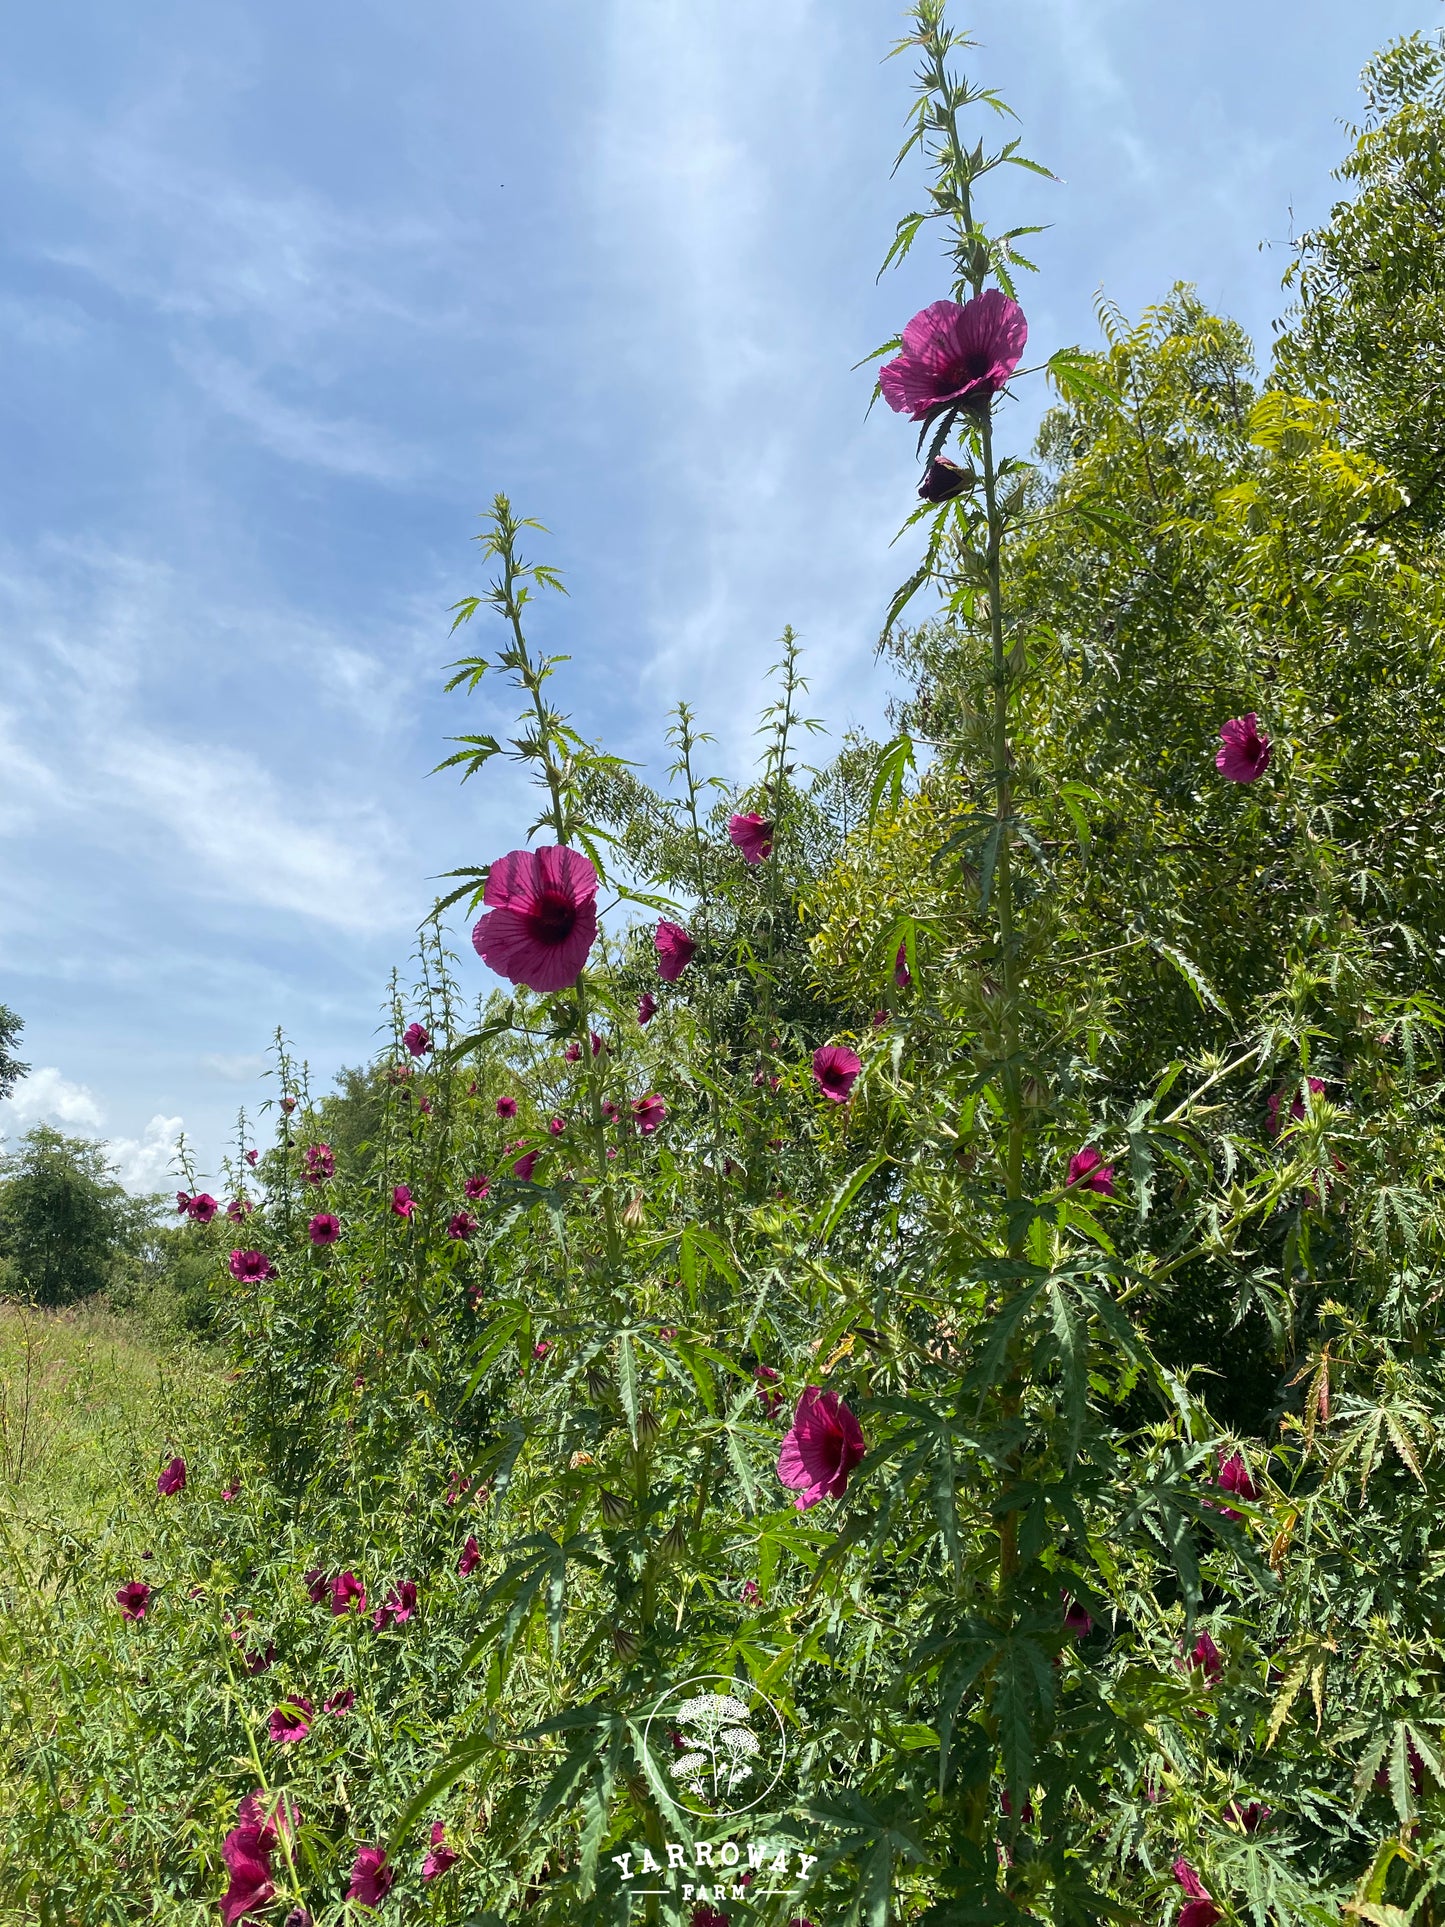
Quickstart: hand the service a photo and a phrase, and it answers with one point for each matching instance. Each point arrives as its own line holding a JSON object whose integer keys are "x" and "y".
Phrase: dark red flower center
{"x": 554, "y": 918}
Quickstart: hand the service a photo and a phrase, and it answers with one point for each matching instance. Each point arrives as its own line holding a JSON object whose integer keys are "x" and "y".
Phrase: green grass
{"x": 90, "y": 1400}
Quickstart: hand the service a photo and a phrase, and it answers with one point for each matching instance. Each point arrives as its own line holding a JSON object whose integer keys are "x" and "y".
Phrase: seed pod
{"x": 649, "y": 1426}
{"x": 614, "y": 1510}
{"x": 626, "y": 1644}
{"x": 596, "y": 1383}
{"x": 673, "y": 1543}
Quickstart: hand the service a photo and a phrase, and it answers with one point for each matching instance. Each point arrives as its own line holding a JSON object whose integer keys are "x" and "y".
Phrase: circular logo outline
{"x": 735, "y": 1689}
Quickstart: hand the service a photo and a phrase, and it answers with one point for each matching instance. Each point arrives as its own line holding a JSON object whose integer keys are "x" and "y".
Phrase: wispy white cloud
{"x": 299, "y": 434}
{"x": 244, "y": 833}
{"x": 236, "y": 1067}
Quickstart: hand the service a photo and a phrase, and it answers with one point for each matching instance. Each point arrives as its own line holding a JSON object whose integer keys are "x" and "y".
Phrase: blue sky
{"x": 287, "y": 293}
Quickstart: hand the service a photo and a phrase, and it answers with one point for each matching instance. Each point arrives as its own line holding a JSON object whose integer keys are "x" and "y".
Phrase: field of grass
{"x": 89, "y": 1402}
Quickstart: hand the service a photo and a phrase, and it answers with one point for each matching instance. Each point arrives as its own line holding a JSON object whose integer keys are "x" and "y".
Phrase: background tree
{"x": 64, "y": 1220}
{"x": 11, "y": 1070}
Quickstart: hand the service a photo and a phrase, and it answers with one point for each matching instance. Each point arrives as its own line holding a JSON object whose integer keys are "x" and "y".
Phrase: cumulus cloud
{"x": 146, "y": 1163}
{"x": 48, "y": 1097}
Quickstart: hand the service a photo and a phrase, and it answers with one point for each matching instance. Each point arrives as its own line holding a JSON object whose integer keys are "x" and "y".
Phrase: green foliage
{"x": 64, "y": 1221}
{"x": 1141, "y": 1564}
{"x": 11, "y": 1069}
{"x": 1365, "y": 334}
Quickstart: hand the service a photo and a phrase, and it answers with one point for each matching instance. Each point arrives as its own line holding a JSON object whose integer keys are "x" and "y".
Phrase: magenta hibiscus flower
{"x": 1297, "y": 1105}
{"x": 556, "y": 1126}
{"x": 183, "y": 1203}
{"x": 952, "y": 354}
{"x": 1089, "y": 1172}
{"x": 1205, "y": 1657}
{"x": 318, "y": 1163}
{"x": 1246, "y": 752}
{"x": 248, "y": 1861}
{"x": 1199, "y": 1910}
{"x": 902, "y": 976}
{"x": 646, "y": 1007}
{"x": 753, "y": 835}
{"x": 202, "y": 1208}
{"x": 340, "y": 1702}
{"x": 471, "y": 1556}
{"x": 172, "y": 1479}
{"x": 290, "y": 1721}
{"x": 476, "y": 1187}
{"x": 371, "y": 1877}
{"x": 347, "y": 1595}
{"x": 506, "y": 1107}
{"x": 461, "y": 1225}
{"x": 251, "y": 1157}
{"x": 573, "y": 1052}
{"x": 820, "y": 1448}
{"x": 649, "y": 1113}
{"x": 417, "y": 1039}
{"x": 441, "y": 1858}
{"x": 835, "y": 1071}
{"x": 133, "y": 1598}
{"x": 675, "y": 948}
{"x": 750, "y": 1594}
{"x": 251, "y": 1267}
{"x": 239, "y": 1209}
{"x": 402, "y": 1202}
{"x": 399, "y": 1606}
{"x": 524, "y": 1166}
{"x": 1234, "y": 1478}
{"x": 1076, "y": 1620}
{"x": 324, "y": 1229}
{"x": 541, "y": 917}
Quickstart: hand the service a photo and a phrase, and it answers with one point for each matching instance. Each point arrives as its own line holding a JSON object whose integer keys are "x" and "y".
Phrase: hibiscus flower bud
{"x": 674, "y": 1542}
{"x": 945, "y": 480}
{"x": 626, "y": 1644}
{"x": 613, "y": 1509}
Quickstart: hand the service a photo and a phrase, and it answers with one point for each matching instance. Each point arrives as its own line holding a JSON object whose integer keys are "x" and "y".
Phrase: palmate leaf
{"x": 458, "y": 1762}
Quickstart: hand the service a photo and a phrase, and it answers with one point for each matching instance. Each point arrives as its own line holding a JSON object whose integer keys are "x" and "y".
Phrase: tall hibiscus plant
{"x": 1043, "y": 1475}
{"x": 980, "y": 1463}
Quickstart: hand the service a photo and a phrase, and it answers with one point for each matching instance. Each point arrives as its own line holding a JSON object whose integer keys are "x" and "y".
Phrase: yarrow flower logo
{"x": 721, "y": 1744}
